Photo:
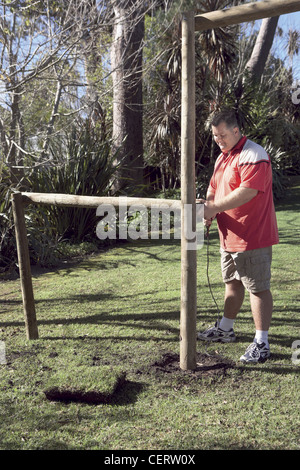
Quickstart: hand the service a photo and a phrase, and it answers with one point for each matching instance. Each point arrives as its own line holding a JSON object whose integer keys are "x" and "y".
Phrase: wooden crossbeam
{"x": 70, "y": 200}
{"x": 244, "y": 13}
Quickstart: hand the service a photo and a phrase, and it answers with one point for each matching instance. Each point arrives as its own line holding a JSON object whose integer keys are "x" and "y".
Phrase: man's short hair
{"x": 227, "y": 116}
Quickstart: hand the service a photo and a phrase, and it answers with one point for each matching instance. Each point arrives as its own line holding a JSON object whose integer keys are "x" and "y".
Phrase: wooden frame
{"x": 190, "y": 24}
{"x": 20, "y": 200}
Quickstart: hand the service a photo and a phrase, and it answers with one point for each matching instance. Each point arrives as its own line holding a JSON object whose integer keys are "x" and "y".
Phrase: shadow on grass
{"x": 94, "y": 261}
{"x": 139, "y": 320}
{"x": 273, "y": 367}
{"x": 128, "y": 393}
{"x": 291, "y": 201}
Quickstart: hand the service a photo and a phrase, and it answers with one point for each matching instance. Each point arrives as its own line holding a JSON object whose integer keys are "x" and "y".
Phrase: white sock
{"x": 261, "y": 337}
{"x": 226, "y": 324}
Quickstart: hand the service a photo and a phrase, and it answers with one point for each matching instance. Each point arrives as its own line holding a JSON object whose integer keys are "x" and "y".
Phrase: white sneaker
{"x": 216, "y": 334}
{"x": 256, "y": 352}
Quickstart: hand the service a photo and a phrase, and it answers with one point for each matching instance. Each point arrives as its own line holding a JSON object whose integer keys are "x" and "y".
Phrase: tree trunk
{"x": 126, "y": 59}
{"x": 262, "y": 47}
{"x": 14, "y": 157}
{"x": 50, "y": 127}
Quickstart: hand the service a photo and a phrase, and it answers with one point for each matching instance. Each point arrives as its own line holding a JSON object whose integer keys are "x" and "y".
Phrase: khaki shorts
{"x": 252, "y": 268}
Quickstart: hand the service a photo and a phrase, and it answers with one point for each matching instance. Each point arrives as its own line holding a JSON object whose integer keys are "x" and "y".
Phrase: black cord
{"x": 207, "y": 273}
{"x": 207, "y": 267}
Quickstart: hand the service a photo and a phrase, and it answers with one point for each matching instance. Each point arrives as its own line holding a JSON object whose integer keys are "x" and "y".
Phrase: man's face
{"x": 226, "y": 137}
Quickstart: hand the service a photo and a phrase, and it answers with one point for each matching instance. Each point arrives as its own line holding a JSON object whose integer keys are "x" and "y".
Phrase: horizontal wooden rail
{"x": 244, "y": 13}
{"x": 20, "y": 200}
{"x": 95, "y": 201}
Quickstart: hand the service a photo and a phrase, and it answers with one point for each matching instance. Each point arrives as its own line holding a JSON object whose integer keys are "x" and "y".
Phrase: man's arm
{"x": 237, "y": 198}
{"x": 210, "y": 196}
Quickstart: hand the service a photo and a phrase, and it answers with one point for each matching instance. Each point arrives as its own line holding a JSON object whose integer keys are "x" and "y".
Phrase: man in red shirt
{"x": 240, "y": 198}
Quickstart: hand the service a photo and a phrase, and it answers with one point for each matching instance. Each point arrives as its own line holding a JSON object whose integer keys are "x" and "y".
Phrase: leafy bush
{"x": 80, "y": 165}
{"x": 86, "y": 168}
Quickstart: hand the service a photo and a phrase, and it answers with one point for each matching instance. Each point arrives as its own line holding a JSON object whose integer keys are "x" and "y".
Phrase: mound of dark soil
{"x": 207, "y": 365}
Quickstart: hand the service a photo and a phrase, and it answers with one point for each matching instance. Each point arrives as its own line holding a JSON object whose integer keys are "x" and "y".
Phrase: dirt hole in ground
{"x": 207, "y": 365}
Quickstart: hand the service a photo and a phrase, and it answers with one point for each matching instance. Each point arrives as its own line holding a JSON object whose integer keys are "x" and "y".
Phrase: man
{"x": 240, "y": 197}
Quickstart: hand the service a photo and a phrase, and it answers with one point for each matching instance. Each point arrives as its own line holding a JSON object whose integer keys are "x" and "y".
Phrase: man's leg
{"x": 234, "y": 297}
{"x": 262, "y": 307}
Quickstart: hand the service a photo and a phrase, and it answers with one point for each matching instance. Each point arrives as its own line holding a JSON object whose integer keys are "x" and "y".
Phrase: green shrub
{"x": 81, "y": 164}
{"x": 84, "y": 167}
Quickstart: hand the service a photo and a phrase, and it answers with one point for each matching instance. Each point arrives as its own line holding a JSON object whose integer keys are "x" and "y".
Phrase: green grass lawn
{"x": 117, "y": 314}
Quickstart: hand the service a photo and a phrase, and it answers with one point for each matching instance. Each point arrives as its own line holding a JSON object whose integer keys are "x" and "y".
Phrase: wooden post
{"x": 188, "y": 194}
{"x": 24, "y": 267}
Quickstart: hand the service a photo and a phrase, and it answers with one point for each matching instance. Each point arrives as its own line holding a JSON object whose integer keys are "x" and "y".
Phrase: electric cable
{"x": 207, "y": 275}
{"x": 206, "y": 343}
{"x": 208, "y": 281}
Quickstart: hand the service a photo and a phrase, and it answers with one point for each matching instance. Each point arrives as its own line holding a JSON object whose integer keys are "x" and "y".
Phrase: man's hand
{"x": 200, "y": 201}
{"x": 210, "y": 210}
{"x": 207, "y": 220}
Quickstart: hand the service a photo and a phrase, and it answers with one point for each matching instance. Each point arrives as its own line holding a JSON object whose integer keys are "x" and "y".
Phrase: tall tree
{"x": 42, "y": 48}
{"x": 34, "y": 50}
{"x": 126, "y": 59}
{"x": 262, "y": 47}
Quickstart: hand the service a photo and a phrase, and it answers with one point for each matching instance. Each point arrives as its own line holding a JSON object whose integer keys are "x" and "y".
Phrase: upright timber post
{"x": 188, "y": 197}
{"x": 24, "y": 267}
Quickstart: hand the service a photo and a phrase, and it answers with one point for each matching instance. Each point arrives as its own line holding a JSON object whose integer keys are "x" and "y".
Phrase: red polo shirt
{"x": 252, "y": 225}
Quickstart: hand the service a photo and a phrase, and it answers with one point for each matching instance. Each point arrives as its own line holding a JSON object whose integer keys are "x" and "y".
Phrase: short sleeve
{"x": 254, "y": 167}
{"x": 254, "y": 176}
